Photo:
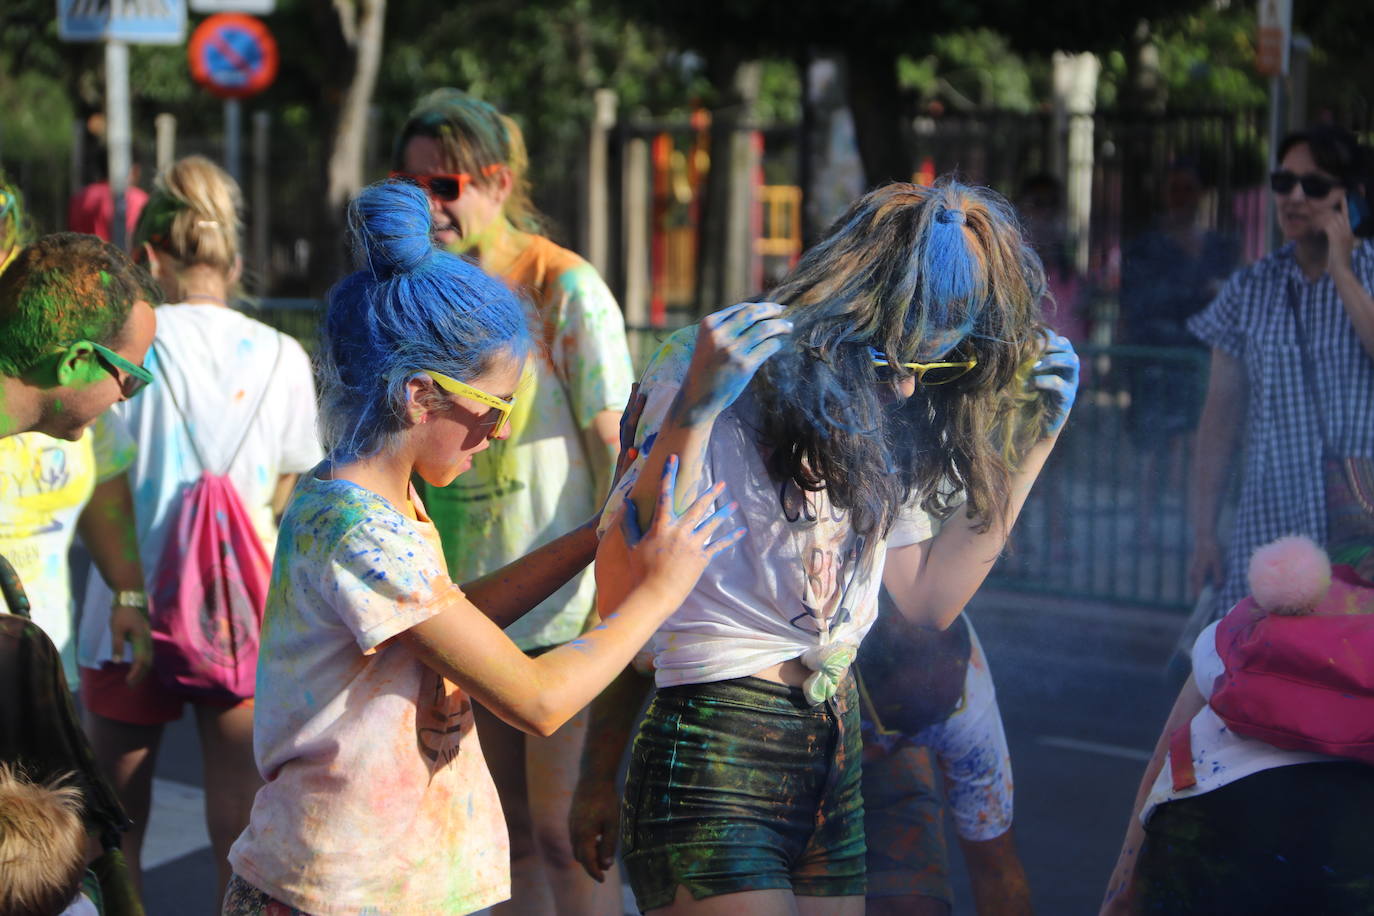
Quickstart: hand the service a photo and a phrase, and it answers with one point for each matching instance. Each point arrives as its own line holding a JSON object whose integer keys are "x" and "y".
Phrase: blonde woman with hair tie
{"x": 230, "y": 392}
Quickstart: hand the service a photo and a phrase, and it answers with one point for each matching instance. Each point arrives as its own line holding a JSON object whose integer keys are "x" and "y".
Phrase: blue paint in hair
{"x": 411, "y": 307}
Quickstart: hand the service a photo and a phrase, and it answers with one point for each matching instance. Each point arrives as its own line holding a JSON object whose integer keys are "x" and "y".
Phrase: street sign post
{"x": 1273, "y": 44}
{"x": 1272, "y": 41}
{"x": 118, "y": 23}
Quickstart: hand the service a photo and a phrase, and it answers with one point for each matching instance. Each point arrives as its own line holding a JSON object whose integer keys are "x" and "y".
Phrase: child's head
{"x": 413, "y": 309}
{"x": 920, "y": 275}
{"x": 42, "y": 845}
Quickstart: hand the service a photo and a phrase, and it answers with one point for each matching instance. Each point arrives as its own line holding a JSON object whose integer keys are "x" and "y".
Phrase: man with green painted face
{"x": 75, "y": 325}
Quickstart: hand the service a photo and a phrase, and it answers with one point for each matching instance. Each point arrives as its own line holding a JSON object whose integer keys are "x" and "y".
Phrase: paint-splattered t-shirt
{"x": 377, "y": 798}
{"x": 801, "y": 577}
{"x": 44, "y": 485}
{"x": 215, "y": 362}
{"x": 539, "y": 483}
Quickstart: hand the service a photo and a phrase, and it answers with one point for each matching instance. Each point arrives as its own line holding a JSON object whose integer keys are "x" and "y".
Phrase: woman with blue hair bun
{"x": 909, "y": 399}
{"x": 377, "y": 796}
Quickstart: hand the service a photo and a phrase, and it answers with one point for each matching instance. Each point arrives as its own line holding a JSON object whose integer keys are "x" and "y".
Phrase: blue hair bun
{"x": 391, "y": 228}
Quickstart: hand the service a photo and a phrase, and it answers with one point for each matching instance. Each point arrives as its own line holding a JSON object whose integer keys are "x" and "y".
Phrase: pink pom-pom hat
{"x": 1290, "y": 576}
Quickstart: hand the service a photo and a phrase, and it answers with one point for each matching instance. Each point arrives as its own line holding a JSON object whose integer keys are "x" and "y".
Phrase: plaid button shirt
{"x": 1282, "y": 489}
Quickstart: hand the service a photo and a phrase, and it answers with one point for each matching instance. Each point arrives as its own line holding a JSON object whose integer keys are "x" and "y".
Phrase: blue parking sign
{"x": 153, "y": 22}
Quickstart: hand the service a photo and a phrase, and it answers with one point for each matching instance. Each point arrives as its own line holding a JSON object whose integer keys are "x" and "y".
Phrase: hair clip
{"x": 950, "y": 216}
{"x": 207, "y": 222}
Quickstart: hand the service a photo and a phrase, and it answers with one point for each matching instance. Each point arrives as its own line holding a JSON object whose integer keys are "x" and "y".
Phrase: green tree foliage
{"x": 1207, "y": 59}
{"x": 973, "y": 68}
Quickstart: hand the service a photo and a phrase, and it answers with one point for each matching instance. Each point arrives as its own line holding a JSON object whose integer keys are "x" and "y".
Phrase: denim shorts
{"x": 742, "y": 785}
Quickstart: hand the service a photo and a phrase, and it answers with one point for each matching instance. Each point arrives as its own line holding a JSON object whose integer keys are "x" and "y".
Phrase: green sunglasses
{"x": 132, "y": 378}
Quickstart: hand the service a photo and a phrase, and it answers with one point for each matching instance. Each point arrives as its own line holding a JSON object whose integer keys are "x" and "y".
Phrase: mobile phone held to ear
{"x": 1358, "y": 210}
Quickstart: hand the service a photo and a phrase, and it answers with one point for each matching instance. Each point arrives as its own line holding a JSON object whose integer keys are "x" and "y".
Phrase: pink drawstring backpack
{"x": 210, "y": 587}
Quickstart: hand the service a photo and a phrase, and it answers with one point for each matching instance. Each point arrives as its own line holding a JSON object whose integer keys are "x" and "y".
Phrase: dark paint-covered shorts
{"x": 908, "y": 855}
{"x": 741, "y": 785}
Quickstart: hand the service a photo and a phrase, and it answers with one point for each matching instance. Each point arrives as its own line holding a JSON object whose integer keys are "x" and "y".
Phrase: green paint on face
{"x": 8, "y": 426}
{"x": 104, "y": 279}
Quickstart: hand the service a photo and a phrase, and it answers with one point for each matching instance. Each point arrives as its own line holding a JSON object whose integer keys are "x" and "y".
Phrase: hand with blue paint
{"x": 629, "y": 423}
{"x": 731, "y": 346}
{"x": 673, "y": 553}
{"x": 1055, "y": 376}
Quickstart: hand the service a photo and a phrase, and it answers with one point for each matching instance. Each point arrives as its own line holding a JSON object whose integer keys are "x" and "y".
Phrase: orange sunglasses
{"x": 447, "y": 187}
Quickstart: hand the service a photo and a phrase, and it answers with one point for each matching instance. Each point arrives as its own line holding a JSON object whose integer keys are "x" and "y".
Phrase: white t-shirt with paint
{"x": 215, "y": 361}
{"x": 1220, "y": 756}
{"x": 800, "y": 578}
{"x": 377, "y": 797}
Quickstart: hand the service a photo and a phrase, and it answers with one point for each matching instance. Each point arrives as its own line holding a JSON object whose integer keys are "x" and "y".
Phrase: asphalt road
{"x": 1083, "y": 695}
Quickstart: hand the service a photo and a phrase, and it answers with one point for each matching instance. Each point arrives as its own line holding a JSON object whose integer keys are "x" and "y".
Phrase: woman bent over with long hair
{"x": 906, "y": 397}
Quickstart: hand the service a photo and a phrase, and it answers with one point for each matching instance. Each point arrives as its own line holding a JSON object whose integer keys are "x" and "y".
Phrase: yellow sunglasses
{"x": 463, "y": 389}
{"x": 927, "y": 373}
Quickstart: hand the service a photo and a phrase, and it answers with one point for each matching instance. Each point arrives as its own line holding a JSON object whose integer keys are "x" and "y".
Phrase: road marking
{"x": 1094, "y": 747}
{"x": 176, "y": 827}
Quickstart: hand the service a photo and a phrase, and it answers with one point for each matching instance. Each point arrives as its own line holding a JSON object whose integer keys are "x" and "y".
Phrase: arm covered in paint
{"x": 729, "y": 348}
{"x": 511, "y": 591}
{"x": 594, "y": 820}
{"x": 537, "y": 695}
{"x": 1119, "y": 900}
{"x": 106, "y": 527}
{"x": 731, "y": 345}
{"x": 933, "y": 580}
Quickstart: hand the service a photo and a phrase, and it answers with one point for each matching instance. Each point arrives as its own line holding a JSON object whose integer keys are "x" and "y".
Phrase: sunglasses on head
{"x": 132, "y": 378}
{"x": 463, "y": 389}
{"x": 1313, "y": 186}
{"x": 445, "y": 186}
{"x": 937, "y": 373}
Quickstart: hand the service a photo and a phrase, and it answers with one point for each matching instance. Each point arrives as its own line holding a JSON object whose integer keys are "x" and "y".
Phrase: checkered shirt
{"x": 1282, "y": 490}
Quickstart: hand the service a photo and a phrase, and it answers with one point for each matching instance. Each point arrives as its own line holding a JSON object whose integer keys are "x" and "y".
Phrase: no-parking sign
{"x": 232, "y": 55}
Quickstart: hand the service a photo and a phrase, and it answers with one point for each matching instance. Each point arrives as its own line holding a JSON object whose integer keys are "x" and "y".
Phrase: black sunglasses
{"x": 1313, "y": 186}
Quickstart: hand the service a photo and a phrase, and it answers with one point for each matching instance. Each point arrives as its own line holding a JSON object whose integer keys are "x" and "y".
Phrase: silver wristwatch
{"x": 131, "y": 598}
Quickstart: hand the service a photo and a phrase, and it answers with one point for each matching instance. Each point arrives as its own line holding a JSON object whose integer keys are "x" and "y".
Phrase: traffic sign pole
{"x": 116, "y": 22}
{"x": 118, "y": 136}
{"x": 233, "y": 138}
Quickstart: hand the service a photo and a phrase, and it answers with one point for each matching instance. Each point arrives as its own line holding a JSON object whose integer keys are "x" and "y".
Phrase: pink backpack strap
{"x": 1181, "y": 757}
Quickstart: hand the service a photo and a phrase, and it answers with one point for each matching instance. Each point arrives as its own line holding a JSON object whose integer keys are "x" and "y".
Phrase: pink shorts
{"x": 104, "y": 693}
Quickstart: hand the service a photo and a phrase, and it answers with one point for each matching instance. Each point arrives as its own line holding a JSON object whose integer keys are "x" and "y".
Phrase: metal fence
{"x": 1108, "y": 518}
